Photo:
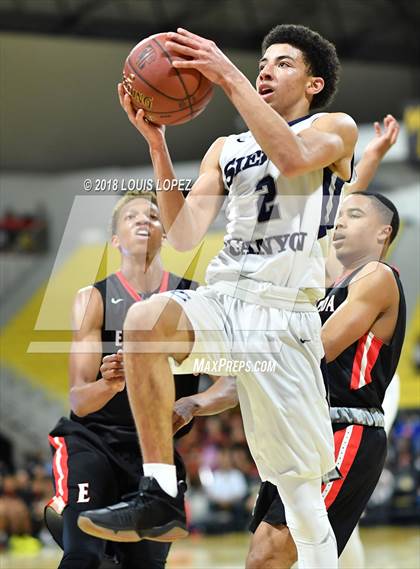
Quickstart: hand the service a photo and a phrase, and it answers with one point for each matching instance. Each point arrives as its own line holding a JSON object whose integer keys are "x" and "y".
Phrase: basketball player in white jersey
{"x": 284, "y": 179}
{"x": 267, "y": 545}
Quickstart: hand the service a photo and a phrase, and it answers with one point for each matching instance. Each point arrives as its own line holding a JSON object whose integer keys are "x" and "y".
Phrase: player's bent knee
{"x": 143, "y": 320}
{"x": 155, "y": 318}
{"x": 141, "y": 317}
{"x": 307, "y": 529}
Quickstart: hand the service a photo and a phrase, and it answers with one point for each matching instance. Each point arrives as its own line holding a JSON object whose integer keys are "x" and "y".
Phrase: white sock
{"x": 165, "y": 474}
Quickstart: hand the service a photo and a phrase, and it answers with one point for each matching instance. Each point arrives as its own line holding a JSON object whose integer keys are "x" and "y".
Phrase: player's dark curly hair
{"x": 318, "y": 53}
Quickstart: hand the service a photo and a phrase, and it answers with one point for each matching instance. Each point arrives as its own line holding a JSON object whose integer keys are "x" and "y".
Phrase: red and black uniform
{"x": 96, "y": 458}
{"x": 357, "y": 381}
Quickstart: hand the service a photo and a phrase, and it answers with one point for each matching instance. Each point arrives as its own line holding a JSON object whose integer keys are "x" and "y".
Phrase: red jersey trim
{"x": 367, "y": 353}
{"x": 133, "y": 293}
{"x": 346, "y": 446}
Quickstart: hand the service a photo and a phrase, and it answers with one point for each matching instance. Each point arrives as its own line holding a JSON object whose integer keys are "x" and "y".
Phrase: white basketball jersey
{"x": 277, "y": 227}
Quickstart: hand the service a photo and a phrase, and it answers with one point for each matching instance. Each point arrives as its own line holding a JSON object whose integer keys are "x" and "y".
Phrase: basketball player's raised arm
{"x": 330, "y": 143}
{"x": 87, "y": 394}
{"x": 188, "y": 224}
{"x": 374, "y": 152}
{"x": 185, "y": 220}
{"x": 369, "y": 299}
{"x": 219, "y": 397}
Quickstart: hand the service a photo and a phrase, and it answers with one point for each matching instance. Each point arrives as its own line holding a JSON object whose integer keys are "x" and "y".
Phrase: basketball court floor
{"x": 385, "y": 548}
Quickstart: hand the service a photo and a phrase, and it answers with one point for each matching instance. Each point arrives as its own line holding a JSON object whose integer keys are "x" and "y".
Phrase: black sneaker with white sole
{"x": 150, "y": 513}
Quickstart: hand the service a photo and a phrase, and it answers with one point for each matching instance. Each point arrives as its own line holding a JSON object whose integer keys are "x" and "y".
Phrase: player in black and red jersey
{"x": 363, "y": 330}
{"x": 95, "y": 452}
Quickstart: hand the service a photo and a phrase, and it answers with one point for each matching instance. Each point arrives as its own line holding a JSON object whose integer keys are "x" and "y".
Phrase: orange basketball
{"x": 169, "y": 96}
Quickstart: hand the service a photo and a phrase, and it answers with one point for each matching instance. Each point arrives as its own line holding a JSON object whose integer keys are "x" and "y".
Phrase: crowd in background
{"x": 403, "y": 471}
{"x": 223, "y": 482}
{"x": 25, "y": 232}
{"x": 24, "y": 491}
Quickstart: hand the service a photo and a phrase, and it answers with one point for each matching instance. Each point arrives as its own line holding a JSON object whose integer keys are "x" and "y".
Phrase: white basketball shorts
{"x": 275, "y": 354}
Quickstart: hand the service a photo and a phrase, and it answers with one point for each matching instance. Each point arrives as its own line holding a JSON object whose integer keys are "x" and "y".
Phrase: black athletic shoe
{"x": 150, "y": 514}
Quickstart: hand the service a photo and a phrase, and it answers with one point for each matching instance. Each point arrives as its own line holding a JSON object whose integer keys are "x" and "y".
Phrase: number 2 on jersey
{"x": 267, "y": 208}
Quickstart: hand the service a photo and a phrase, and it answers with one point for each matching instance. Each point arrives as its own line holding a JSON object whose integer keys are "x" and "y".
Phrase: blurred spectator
{"x": 242, "y": 460}
{"x": 24, "y": 232}
{"x": 23, "y": 495}
{"x": 226, "y": 485}
{"x": 237, "y": 434}
{"x": 218, "y": 461}
{"x": 227, "y": 490}
{"x": 200, "y": 447}
{"x": 14, "y": 513}
{"x": 397, "y": 497}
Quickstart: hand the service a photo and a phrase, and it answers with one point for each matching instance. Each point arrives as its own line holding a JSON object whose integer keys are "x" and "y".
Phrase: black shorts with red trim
{"x": 86, "y": 467}
{"x": 360, "y": 455}
{"x": 87, "y": 471}
{"x": 90, "y": 474}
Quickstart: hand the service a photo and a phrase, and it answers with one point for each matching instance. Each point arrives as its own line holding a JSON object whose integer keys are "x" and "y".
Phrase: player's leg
{"x": 353, "y": 556}
{"x": 162, "y": 322}
{"x": 361, "y": 454}
{"x": 308, "y": 522}
{"x": 313, "y": 535}
{"x": 85, "y": 479}
{"x": 154, "y": 330}
{"x": 305, "y": 509}
{"x": 81, "y": 551}
{"x": 289, "y": 432}
{"x": 168, "y": 328}
{"x": 271, "y": 547}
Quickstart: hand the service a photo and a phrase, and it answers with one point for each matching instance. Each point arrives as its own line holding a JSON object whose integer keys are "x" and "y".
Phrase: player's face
{"x": 283, "y": 77}
{"x": 360, "y": 230}
{"x": 139, "y": 230}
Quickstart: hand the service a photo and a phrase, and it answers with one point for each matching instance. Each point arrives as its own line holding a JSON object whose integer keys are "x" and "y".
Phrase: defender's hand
{"x": 183, "y": 412}
{"x": 385, "y": 138}
{"x": 112, "y": 371}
